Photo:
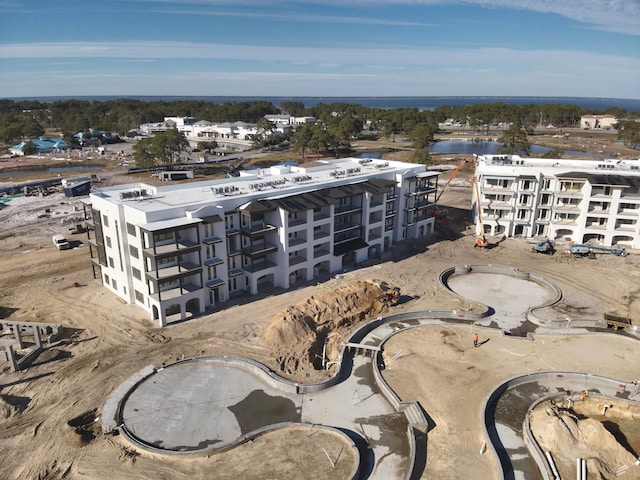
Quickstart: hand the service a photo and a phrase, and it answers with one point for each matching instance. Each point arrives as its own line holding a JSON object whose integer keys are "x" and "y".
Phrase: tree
{"x": 295, "y": 109}
{"x": 208, "y": 145}
{"x": 142, "y": 154}
{"x": 11, "y": 132}
{"x": 421, "y": 135}
{"x": 629, "y": 133}
{"x": 514, "y": 141}
{"x": 264, "y": 132}
{"x": 167, "y": 146}
{"x": 29, "y": 148}
{"x": 421, "y": 156}
{"x": 302, "y": 139}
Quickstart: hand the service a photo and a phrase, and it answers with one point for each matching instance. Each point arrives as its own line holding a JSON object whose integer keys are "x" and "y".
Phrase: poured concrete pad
{"x": 509, "y": 297}
{"x": 206, "y": 403}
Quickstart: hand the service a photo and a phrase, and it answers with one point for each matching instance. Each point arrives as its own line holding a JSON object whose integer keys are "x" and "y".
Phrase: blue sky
{"x": 575, "y": 48}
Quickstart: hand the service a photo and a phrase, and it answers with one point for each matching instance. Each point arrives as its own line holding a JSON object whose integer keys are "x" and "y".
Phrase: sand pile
{"x": 297, "y": 335}
{"x": 569, "y": 435}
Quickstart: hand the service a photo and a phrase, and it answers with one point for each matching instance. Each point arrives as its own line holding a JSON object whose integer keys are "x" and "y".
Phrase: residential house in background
{"x": 598, "y": 122}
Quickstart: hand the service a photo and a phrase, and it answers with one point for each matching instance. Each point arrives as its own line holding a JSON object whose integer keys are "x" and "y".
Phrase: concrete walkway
{"x": 212, "y": 403}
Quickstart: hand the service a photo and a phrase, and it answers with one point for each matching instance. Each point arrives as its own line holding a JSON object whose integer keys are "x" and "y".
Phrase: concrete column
{"x": 36, "y": 337}
{"x": 11, "y": 356}
{"x": 18, "y": 334}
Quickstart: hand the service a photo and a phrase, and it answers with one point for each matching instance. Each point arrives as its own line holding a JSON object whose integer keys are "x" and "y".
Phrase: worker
{"x": 475, "y": 339}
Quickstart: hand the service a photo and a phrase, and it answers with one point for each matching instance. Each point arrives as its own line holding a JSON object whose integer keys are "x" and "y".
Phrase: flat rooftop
{"x": 273, "y": 182}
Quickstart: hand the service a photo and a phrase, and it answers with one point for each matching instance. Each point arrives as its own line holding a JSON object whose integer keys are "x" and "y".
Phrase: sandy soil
{"x": 107, "y": 341}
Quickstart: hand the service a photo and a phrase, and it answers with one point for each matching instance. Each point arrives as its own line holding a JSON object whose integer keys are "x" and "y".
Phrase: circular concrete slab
{"x": 203, "y": 404}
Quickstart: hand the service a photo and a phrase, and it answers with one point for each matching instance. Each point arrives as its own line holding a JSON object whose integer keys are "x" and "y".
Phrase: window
{"x": 107, "y": 241}
{"x": 105, "y": 220}
{"x": 114, "y": 284}
{"x": 139, "y": 297}
{"x": 106, "y": 279}
{"x": 131, "y": 229}
{"x": 161, "y": 237}
{"x": 133, "y": 251}
{"x": 111, "y": 264}
{"x": 136, "y": 273}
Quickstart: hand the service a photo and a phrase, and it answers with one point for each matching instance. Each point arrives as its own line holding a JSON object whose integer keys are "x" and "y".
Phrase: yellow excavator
{"x": 390, "y": 297}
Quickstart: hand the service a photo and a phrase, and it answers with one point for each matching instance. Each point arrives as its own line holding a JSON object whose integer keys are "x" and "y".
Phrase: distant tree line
{"x": 337, "y": 123}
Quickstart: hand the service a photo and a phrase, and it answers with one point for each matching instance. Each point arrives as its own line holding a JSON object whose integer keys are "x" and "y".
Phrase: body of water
{"x": 422, "y": 103}
{"x": 484, "y": 148}
{"x": 76, "y": 168}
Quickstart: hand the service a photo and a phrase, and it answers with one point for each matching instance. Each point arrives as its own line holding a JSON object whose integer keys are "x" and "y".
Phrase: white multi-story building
{"x": 178, "y": 250}
{"x": 596, "y": 201}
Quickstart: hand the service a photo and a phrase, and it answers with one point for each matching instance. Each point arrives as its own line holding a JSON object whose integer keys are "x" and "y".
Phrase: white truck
{"x": 60, "y": 242}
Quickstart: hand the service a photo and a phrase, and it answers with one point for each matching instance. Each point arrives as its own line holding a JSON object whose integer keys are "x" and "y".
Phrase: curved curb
{"x": 608, "y": 384}
{"x": 417, "y": 420}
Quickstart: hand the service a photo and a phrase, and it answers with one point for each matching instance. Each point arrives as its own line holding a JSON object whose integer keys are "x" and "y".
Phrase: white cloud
{"x": 622, "y": 16}
{"x": 311, "y": 55}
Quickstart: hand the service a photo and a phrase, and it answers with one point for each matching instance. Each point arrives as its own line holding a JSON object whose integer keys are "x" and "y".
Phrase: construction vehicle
{"x": 453, "y": 175}
{"x": 480, "y": 241}
{"x": 583, "y": 250}
{"x": 616, "y": 321}
{"x": 545, "y": 246}
{"x": 390, "y": 297}
{"x": 579, "y": 250}
{"x": 617, "y": 251}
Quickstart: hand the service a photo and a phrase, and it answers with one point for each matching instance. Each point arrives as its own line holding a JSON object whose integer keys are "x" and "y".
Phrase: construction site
{"x": 372, "y": 373}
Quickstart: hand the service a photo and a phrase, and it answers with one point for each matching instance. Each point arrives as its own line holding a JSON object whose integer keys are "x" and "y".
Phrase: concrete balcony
{"x": 182, "y": 269}
{"x": 317, "y": 235}
{"x": 210, "y": 262}
{"x": 170, "y": 248}
{"x": 296, "y": 241}
{"x": 296, "y": 260}
{"x": 175, "y": 292}
{"x": 211, "y": 240}
{"x": 259, "y": 266}
{"x": 259, "y": 249}
{"x": 214, "y": 283}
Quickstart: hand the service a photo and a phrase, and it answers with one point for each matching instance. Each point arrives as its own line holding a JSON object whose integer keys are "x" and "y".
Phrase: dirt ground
{"x": 107, "y": 341}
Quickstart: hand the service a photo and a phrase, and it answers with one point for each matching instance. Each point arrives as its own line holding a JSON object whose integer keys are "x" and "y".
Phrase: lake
{"x": 484, "y": 148}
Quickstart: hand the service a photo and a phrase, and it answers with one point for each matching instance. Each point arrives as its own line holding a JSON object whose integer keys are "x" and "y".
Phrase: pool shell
{"x": 284, "y": 397}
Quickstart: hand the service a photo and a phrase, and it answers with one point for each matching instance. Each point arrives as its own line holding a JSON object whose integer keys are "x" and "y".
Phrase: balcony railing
{"x": 175, "y": 271}
{"x": 175, "y": 292}
{"x": 259, "y": 249}
{"x": 259, "y": 265}
{"x": 295, "y": 260}
{"x": 182, "y": 246}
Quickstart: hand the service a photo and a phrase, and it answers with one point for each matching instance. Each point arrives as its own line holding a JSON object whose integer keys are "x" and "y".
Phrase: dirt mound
{"x": 298, "y": 334}
{"x": 569, "y": 435}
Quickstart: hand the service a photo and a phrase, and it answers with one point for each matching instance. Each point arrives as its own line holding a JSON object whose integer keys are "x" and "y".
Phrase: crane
{"x": 481, "y": 241}
{"x": 453, "y": 175}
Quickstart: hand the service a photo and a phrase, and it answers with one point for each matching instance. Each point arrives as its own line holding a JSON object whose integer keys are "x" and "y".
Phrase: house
{"x": 178, "y": 250}
{"x": 42, "y": 145}
{"x": 602, "y": 122}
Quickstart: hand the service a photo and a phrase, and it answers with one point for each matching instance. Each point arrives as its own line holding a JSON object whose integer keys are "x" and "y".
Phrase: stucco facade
{"x": 178, "y": 250}
{"x": 595, "y": 201}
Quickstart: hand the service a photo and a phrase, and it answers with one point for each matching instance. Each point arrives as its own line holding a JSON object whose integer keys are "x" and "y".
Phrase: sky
{"x": 568, "y": 48}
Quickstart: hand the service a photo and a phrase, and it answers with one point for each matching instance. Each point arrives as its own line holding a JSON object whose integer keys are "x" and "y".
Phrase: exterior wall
{"x": 177, "y": 250}
{"x": 577, "y": 200}
{"x": 590, "y": 122}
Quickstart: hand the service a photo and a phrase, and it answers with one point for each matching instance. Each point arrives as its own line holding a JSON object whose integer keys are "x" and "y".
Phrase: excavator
{"x": 481, "y": 240}
{"x": 390, "y": 297}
